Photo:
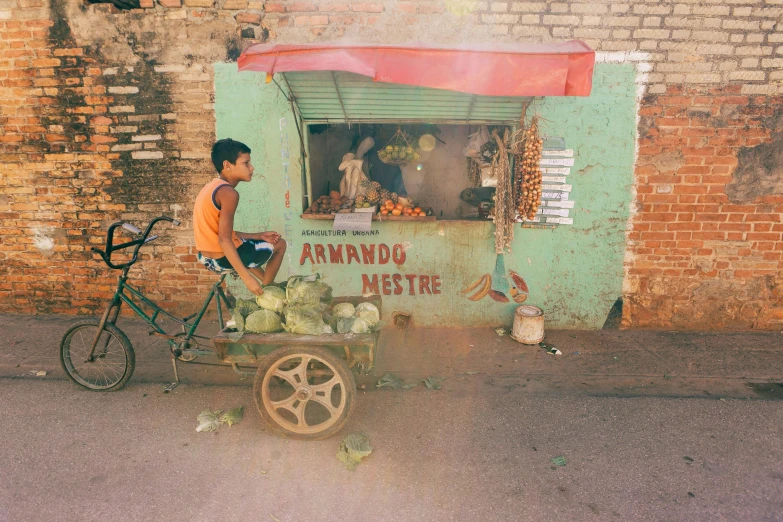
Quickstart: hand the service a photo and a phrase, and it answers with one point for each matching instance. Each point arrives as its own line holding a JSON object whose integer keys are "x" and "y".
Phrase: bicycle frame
{"x": 176, "y": 342}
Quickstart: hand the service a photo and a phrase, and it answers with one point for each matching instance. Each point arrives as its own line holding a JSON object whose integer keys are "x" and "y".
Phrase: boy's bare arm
{"x": 228, "y": 199}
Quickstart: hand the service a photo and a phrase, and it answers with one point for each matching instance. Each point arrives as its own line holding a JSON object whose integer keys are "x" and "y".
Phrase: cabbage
{"x": 272, "y": 299}
{"x": 343, "y": 310}
{"x": 244, "y": 307}
{"x": 369, "y": 312}
{"x": 305, "y": 320}
{"x": 360, "y": 325}
{"x": 307, "y": 291}
{"x": 344, "y": 324}
{"x": 263, "y": 321}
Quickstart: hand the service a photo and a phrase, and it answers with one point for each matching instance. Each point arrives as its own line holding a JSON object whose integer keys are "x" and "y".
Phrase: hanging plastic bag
{"x": 475, "y": 142}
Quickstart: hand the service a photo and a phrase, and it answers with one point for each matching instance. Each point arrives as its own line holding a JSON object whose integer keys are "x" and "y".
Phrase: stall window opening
{"x": 435, "y": 175}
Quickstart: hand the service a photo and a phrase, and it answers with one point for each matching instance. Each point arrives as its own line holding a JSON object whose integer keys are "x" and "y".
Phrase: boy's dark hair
{"x": 227, "y": 150}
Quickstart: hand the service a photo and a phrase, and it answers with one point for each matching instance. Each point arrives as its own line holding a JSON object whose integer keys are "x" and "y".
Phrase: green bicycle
{"x": 97, "y": 355}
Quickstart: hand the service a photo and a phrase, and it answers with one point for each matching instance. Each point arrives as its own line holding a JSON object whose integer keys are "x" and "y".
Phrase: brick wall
{"x": 107, "y": 115}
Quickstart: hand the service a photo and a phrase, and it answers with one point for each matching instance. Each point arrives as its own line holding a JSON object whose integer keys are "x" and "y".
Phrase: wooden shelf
{"x": 375, "y": 217}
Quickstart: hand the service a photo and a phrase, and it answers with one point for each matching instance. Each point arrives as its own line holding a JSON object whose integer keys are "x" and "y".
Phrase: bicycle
{"x": 303, "y": 386}
{"x": 97, "y": 355}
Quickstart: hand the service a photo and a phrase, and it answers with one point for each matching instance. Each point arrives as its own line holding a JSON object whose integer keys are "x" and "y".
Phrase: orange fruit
{"x": 417, "y": 209}
{"x": 399, "y": 206}
{"x": 396, "y": 212}
{"x": 407, "y": 211}
{"x": 389, "y": 204}
{"x": 384, "y": 212}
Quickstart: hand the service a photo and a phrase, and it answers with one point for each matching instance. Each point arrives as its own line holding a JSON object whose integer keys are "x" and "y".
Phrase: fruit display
{"x": 528, "y": 173}
{"x": 329, "y": 204}
{"x": 399, "y": 151}
{"x": 390, "y": 208}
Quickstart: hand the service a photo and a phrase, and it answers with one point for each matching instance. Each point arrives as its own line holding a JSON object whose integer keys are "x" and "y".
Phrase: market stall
{"x": 411, "y": 98}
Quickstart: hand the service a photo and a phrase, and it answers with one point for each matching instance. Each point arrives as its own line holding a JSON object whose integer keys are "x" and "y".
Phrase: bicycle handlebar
{"x": 146, "y": 238}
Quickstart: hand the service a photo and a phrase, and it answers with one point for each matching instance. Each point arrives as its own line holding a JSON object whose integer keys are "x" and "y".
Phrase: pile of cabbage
{"x": 363, "y": 318}
{"x": 302, "y": 305}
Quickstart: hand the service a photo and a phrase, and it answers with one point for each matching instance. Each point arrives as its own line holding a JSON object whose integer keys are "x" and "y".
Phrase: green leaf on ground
{"x": 389, "y": 380}
{"x": 232, "y": 417}
{"x": 208, "y": 421}
{"x": 433, "y": 383}
{"x": 559, "y": 460}
{"x": 353, "y": 448}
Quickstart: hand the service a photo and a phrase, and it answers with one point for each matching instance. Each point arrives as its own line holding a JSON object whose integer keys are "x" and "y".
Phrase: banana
{"x": 484, "y": 289}
{"x": 474, "y": 285}
{"x": 520, "y": 298}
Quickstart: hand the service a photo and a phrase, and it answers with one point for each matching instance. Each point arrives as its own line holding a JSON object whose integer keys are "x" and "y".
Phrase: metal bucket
{"x": 528, "y": 325}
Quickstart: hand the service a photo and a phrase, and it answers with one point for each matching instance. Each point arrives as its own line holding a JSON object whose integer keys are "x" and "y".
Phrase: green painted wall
{"x": 574, "y": 272}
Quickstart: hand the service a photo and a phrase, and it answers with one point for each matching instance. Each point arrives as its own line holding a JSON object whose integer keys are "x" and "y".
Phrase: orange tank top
{"x": 206, "y": 217}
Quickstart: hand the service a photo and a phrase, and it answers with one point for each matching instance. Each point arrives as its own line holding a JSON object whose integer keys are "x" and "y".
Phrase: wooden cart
{"x": 304, "y": 387}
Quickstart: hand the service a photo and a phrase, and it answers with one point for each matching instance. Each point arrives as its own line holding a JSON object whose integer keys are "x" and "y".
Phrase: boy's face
{"x": 242, "y": 170}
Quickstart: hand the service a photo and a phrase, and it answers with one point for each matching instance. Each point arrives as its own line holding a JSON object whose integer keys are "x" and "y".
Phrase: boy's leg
{"x": 267, "y": 275}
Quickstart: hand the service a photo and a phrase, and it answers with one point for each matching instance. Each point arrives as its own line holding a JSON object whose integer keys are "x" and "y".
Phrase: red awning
{"x": 561, "y": 69}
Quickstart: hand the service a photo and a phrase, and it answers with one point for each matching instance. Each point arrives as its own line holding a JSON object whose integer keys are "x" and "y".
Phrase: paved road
{"x": 477, "y": 450}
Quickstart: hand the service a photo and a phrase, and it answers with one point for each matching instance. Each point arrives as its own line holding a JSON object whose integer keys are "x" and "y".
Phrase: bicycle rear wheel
{"x": 112, "y": 363}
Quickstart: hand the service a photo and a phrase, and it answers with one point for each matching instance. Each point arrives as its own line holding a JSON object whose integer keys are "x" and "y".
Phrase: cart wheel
{"x": 304, "y": 392}
{"x": 113, "y": 360}
{"x": 187, "y": 357}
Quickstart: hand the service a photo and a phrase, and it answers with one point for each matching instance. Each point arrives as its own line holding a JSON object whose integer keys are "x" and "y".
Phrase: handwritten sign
{"x": 568, "y": 153}
{"x": 557, "y": 162}
{"x": 565, "y": 171}
{"x": 353, "y": 221}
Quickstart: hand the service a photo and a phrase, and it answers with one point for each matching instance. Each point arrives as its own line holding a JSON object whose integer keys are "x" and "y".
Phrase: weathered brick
{"x": 589, "y": 8}
{"x": 172, "y": 68}
{"x": 121, "y": 129}
{"x": 768, "y": 63}
{"x": 122, "y": 109}
{"x": 126, "y": 147}
{"x": 147, "y": 137}
{"x": 529, "y": 7}
{"x": 658, "y": 34}
{"x": 235, "y": 5}
{"x": 147, "y": 154}
{"x": 367, "y": 7}
{"x": 741, "y": 11}
{"x": 622, "y": 21}
{"x": 752, "y": 50}
{"x": 652, "y": 9}
{"x": 711, "y": 10}
{"x": 747, "y": 75}
{"x": 743, "y": 25}
{"x": 558, "y": 7}
{"x": 591, "y": 20}
{"x": 311, "y": 20}
{"x": 530, "y": 19}
{"x": 498, "y": 7}
{"x": 710, "y": 36}
{"x": 123, "y": 90}
{"x": 170, "y": 3}
{"x": 500, "y": 18}
{"x": 651, "y": 21}
{"x": 248, "y": 18}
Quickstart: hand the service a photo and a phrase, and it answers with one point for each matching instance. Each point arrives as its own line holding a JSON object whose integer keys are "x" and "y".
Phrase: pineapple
{"x": 372, "y": 196}
{"x": 394, "y": 197}
{"x": 359, "y": 199}
{"x": 385, "y": 194}
{"x": 375, "y": 185}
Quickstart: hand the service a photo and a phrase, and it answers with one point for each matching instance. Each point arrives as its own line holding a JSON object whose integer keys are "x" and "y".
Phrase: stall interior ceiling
{"x": 333, "y": 97}
{"x": 435, "y": 181}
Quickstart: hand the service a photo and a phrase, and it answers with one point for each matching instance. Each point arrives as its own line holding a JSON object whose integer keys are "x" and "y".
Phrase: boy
{"x": 220, "y": 247}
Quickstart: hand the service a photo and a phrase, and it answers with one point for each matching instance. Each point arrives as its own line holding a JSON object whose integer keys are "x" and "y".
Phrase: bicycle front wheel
{"x": 111, "y": 364}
